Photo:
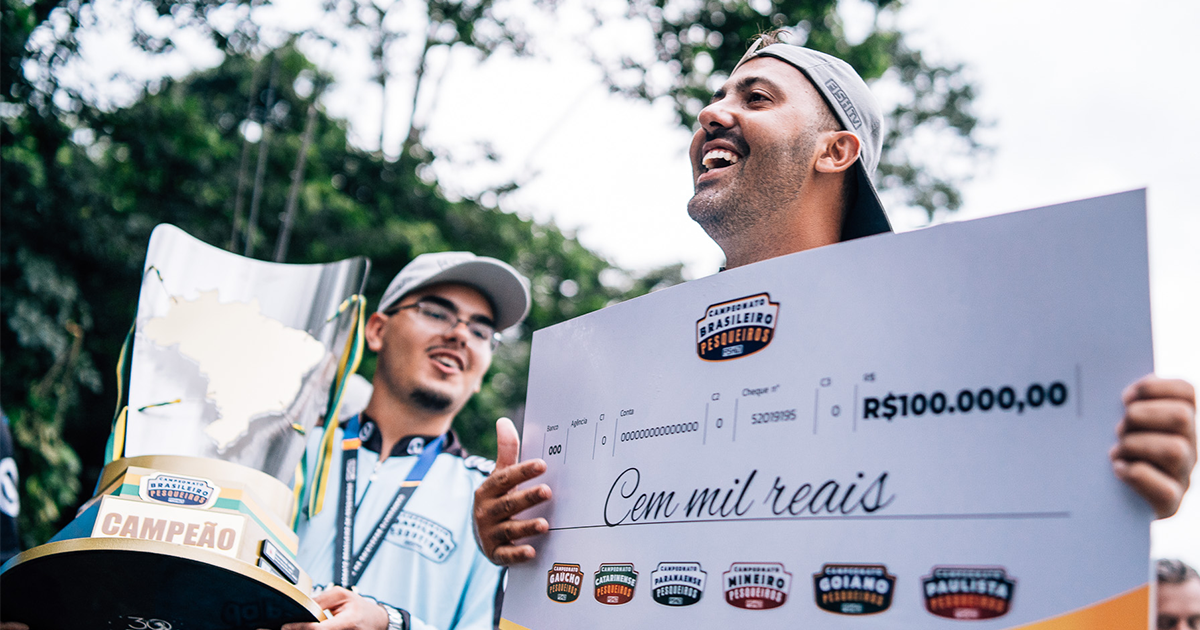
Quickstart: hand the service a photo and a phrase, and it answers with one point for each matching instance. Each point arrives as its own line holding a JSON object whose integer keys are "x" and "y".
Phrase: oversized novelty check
{"x": 903, "y": 431}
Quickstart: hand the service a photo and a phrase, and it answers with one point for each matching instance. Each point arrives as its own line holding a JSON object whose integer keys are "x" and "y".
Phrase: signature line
{"x": 884, "y": 517}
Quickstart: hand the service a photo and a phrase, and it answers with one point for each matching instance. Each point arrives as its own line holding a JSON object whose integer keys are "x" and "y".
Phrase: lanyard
{"x": 348, "y": 566}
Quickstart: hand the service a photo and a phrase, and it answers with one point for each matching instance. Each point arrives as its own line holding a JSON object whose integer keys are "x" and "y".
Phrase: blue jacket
{"x": 429, "y": 563}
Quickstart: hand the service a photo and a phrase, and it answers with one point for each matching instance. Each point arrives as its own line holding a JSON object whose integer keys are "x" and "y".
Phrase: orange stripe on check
{"x": 1128, "y": 611}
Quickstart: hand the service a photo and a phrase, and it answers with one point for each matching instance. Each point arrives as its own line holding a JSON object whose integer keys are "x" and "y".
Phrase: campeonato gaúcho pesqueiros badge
{"x": 563, "y": 583}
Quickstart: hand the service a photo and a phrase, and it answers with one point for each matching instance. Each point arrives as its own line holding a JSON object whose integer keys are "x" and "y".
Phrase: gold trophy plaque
{"x": 230, "y": 362}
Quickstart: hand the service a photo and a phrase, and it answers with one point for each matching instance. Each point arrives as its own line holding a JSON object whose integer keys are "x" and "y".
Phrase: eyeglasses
{"x": 445, "y": 319}
{"x": 1171, "y": 622}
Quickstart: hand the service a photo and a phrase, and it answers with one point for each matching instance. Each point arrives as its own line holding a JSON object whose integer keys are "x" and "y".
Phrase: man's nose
{"x": 716, "y": 114}
{"x": 458, "y": 330}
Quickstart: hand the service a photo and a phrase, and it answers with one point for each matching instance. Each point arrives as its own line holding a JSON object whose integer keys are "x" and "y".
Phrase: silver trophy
{"x": 230, "y": 364}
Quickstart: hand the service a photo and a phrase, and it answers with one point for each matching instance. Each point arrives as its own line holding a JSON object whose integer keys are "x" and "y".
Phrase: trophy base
{"x": 131, "y": 584}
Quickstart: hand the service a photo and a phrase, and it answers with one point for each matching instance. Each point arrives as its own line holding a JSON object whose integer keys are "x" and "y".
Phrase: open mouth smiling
{"x": 717, "y": 154}
{"x": 719, "y": 158}
{"x": 447, "y": 359}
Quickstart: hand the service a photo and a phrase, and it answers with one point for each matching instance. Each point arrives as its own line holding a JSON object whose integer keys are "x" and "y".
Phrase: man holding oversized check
{"x": 907, "y": 428}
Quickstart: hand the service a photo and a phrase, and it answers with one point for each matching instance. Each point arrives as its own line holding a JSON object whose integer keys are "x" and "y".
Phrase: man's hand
{"x": 497, "y": 500}
{"x": 1156, "y": 446}
{"x": 350, "y": 610}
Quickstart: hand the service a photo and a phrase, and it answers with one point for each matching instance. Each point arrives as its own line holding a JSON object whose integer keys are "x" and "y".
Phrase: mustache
{"x": 451, "y": 347}
{"x": 730, "y": 136}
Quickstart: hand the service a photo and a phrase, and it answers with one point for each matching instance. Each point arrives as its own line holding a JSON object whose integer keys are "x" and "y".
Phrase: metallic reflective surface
{"x": 232, "y": 379}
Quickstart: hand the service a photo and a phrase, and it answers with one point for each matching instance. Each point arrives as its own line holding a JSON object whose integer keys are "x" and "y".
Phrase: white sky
{"x": 1087, "y": 98}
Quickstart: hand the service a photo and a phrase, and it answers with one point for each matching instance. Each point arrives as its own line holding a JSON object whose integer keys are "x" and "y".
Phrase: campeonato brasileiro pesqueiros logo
{"x": 677, "y": 583}
{"x": 854, "y": 589}
{"x": 736, "y": 328}
{"x": 179, "y": 490}
{"x": 756, "y": 585}
{"x": 564, "y": 582}
{"x": 615, "y": 583}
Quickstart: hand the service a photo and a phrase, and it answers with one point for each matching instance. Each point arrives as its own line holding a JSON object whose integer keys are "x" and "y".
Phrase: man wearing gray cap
{"x": 396, "y": 524}
{"x": 781, "y": 163}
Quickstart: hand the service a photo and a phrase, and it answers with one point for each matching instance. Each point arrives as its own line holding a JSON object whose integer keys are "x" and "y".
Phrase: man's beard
{"x": 751, "y": 199}
{"x": 430, "y": 400}
{"x": 727, "y": 212}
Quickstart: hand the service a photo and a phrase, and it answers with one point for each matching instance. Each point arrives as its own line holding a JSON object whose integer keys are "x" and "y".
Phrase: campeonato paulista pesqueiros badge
{"x": 968, "y": 592}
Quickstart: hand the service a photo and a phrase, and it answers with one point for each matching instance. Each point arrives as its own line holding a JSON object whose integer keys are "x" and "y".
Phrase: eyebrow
{"x": 443, "y": 302}
{"x": 744, "y": 84}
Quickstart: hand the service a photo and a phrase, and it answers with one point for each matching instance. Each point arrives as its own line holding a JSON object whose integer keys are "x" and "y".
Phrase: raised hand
{"x": 497, "y": 500}
{"x": 1156, "y": 446}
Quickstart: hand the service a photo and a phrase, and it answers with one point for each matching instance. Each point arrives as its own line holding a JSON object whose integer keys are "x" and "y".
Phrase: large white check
{"x": 902, "y": 431}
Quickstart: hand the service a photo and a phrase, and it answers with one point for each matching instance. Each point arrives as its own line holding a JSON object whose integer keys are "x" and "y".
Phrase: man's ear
{"x": 373, "y": 331}
{"x": 838, "y": 152}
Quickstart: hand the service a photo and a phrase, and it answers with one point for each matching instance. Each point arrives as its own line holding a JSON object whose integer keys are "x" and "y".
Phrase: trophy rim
{"x": 136, "y": 545}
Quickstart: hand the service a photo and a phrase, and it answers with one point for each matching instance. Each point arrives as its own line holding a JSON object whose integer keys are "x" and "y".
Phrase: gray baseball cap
{"x": 851, "y": 101}
{"x": 503, "y": 286}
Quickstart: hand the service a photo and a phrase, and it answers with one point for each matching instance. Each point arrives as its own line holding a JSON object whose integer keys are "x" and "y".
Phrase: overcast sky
{"x": 1086, "y": 98}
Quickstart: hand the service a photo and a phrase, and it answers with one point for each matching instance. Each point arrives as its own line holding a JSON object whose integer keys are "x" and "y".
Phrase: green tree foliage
{"x": 83, "y": 187}
{"x": 694, "y": 46}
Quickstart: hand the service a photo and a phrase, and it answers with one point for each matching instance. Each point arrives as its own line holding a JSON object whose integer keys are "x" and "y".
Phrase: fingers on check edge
{"x": 1160, "y": 490}
{"x": 1151, "y": 386}
{"x": 513, "y": 554}
{"x": 1172, "y": 455}
{"x": 501, "y": 481}
{"x": 512, "y": 503}
{"x": 1161, "y": 414}
{"x": 507, "y": 532}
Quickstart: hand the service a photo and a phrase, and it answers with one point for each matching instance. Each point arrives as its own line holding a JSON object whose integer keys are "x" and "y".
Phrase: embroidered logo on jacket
{"x": 426, "y": 537}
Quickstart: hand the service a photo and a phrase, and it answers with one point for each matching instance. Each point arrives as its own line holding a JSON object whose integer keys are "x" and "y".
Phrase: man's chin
{"x": 708, "y": 210}
{"x": 430, "y": 400}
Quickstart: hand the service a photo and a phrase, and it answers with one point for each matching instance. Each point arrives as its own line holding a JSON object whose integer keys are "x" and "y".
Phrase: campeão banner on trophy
{"x": 903, "y": 431}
